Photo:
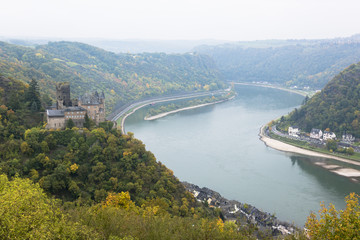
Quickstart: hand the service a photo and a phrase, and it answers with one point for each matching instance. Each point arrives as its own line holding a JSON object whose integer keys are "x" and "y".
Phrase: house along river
{"x": 218, "y": 147}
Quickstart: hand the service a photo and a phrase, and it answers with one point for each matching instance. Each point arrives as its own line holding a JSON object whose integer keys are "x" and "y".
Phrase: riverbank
{"x": 350, "y": 173}
{"x": 233, "y": 210}
{"x": 123, "y": 114}
{"x": 300, "y": 92}
{"x": 161, "y": 115}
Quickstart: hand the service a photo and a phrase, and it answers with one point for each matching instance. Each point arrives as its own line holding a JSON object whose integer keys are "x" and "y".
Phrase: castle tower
{"x": 95, "y": 105}
{"x": 63, "y": 99}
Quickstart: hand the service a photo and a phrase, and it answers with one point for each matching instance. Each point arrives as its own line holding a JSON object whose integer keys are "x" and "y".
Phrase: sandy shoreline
{"x": 346, "y": 172}
{"x": 182, "y": 109}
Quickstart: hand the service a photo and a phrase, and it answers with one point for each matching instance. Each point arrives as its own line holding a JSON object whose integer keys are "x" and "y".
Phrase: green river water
{"x": 218, "y": 147}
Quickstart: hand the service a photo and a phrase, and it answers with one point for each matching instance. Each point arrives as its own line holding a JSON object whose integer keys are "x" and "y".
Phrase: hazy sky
{"x": 180, "y": 19}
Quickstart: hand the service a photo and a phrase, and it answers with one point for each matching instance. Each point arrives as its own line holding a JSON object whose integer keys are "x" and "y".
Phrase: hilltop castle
{"x": 66, "y": 108}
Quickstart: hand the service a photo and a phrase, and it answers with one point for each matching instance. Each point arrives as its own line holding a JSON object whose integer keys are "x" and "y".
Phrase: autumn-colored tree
{"x": 27, "y": 213}
{"x": 334, "y": 224}
{"x": 119, "y": 200}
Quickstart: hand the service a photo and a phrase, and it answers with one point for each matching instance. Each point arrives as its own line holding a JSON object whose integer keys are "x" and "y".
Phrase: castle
{"x": 66, "y": 108}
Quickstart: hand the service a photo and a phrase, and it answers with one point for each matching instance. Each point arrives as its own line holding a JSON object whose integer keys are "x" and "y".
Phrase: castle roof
{"x": 55, "y": 113}
{"x": 91, "y": 99}
{"x": 74, "y": 109}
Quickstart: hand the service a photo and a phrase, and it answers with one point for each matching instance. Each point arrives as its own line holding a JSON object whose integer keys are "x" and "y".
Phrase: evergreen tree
{"x": 34, "y": 107}
{"x": 87, "y": 123}
{"x": 70, "y": 124}
{"x": 32, "y": 95}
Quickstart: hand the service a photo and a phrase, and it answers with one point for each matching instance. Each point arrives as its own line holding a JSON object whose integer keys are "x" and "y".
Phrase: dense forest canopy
{"x": 123, "y": 77}
{"x": 336, "y": 107}
{"x": 301, "y": 63}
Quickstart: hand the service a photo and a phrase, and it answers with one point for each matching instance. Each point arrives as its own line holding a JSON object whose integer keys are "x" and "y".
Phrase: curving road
{"x": 124, "y": 112}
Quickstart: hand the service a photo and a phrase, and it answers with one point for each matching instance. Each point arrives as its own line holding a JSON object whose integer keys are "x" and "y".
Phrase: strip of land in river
{"x": 300, "y": 92}
{"x": 182, "y": 109}
{"x": 281, "y": 146}
{"x": 124, "y": 113}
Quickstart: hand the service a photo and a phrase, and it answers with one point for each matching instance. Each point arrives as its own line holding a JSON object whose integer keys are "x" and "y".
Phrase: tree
{"x": 27, "y": 213}
{"x": 108, "y": 125}
{"x": 26, "y": 149}
{"x": 331, "y": 145}
{"x": 119, "y": 200}
{"x": 32, "y": 96}
{"x": 34, "y": 107}
{"x": 350, "y": 151}
{"x": 333, "y": 224}
{"x": 306, "y": 99}
{"x": 70, "y": 124}
{"x": 87, "y": 123}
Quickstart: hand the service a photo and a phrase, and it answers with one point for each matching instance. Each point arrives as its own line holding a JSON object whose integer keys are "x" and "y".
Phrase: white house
{"x": 329, "y": 135}
{"x": 347, "y": 137}
{"x": 316, "y": 133}
{"x": 293, "y": 131}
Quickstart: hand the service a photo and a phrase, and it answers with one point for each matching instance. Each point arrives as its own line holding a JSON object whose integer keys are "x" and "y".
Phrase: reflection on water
{"x": 218, "y": 147}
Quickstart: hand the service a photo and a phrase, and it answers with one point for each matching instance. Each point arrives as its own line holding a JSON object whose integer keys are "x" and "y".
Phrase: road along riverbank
{"x": 123, "y": 113}
{"x": 183, "y": 109}
{"x": 352, "y": 174}
{"x": 300, "y": 92}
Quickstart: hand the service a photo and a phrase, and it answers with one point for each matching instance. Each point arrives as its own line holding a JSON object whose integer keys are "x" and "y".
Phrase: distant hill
{"x": 124, "y": 45}
{"x": 150, "y": 46}
{"x": 337, "y": 106}
{"x": 122, "y": 77}
{"x": 290, "y": 63}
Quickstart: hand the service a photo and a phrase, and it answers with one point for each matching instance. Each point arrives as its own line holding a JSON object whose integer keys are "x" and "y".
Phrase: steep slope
{"x": 109, "y": 186}
{"x": 83, "y": 166}
{"x": 122, "y": 77}
{"x": 290, "y": 63}
{"x": 337, "y": 106}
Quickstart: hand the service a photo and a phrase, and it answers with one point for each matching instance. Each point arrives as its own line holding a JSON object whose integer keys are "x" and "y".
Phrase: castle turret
{"x": 63, "y": 99}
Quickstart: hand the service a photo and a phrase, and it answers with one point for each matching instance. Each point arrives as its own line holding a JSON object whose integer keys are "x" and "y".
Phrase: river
{"x": 218, "y": 147}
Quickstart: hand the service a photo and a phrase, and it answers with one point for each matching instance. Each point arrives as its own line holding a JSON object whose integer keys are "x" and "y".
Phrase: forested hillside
{"x": 83, "y": 166}
{"x": 91, "y": 183}
{"x": 289, "y": 63}
{"x": 336, "y": 107}
{"x": 122, "y": 77}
